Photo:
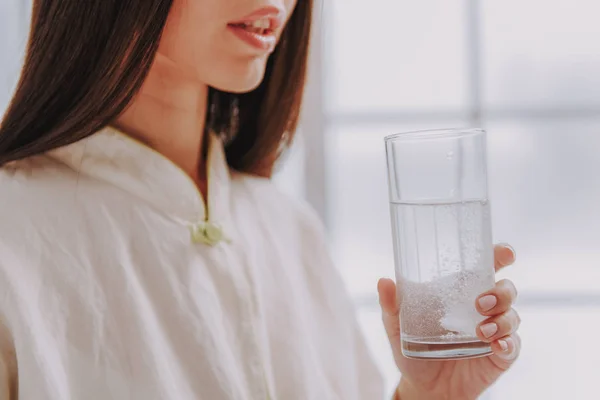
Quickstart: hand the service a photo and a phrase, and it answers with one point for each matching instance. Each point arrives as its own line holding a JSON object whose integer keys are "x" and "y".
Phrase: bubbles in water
{"x": 458, "y": 294}
{"x": 454, "y": 267}
{"x": 444, "y": 305}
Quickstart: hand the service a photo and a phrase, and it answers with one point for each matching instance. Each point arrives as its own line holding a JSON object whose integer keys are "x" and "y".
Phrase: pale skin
{"x": 197, "y": 52}
{"x": 462, "y": 379}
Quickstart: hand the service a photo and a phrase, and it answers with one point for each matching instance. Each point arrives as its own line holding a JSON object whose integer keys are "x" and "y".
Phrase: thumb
{"x": 390, "y": 308}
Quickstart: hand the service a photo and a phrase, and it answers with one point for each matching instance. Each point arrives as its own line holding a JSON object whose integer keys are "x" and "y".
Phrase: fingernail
{"x": 486, "y": 303}
{"x": 507, "y": 352}
{"x": 503, "y": 345}
{"x": 489, "y": 330}
{"x": 512, "y": 250}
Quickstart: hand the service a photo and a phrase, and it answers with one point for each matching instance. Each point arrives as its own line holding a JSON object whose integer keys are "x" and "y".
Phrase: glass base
{"x": 430, "y": 350}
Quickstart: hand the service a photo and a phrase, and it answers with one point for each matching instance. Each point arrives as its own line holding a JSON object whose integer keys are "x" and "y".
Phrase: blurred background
{"x": 527, "y": 71}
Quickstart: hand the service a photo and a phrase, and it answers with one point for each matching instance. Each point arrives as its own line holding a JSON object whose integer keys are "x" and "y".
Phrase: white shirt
{"x": 107, "y": 294}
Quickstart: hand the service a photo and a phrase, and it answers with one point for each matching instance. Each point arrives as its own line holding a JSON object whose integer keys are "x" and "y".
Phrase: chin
{"x": 243, "y": 81}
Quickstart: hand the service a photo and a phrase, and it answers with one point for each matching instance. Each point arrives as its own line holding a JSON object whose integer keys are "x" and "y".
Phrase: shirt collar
{"x": 122, "y": 161}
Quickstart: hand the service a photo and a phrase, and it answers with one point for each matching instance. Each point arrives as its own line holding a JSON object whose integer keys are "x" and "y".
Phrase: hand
{"x": 459, "y": 379}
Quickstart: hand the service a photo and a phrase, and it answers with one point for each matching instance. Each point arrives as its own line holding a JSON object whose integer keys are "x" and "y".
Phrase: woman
{"x": 144, "y": 252}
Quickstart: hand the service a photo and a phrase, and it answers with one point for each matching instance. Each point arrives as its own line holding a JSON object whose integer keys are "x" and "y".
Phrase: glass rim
{"x": 426, "y": 134}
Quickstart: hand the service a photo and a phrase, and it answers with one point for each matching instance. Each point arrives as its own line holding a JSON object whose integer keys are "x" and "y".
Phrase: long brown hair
{"x": 86, "y": 61}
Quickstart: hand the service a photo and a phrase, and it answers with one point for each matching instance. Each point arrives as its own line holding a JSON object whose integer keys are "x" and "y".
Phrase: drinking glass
{"x": 441, "y": 228}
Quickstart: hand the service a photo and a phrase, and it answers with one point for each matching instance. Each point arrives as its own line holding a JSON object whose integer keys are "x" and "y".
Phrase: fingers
{"x": 500, "y": 328}
{"x": 390, "y": 309}
{"x": 497, "y": 327}
{"x": 387, "y": 296}
{"x": 504, "y": 255}
{"x": 498, "y": 300}
{"x": 506, "y": 351}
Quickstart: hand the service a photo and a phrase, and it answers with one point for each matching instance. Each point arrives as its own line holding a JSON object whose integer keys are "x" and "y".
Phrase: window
{"x": 528, "y": 73}
{"x": 13, "y": 38}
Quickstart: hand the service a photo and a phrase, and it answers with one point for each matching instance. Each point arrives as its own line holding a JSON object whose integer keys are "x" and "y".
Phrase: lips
{"x": 259, "y": 26}
{"x": 259, "y": 29}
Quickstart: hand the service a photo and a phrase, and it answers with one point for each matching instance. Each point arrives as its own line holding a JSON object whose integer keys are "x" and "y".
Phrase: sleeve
{"x": 336, "y": 306}
{"x": 8, "y": 365}
{"x": 8, "y": 357}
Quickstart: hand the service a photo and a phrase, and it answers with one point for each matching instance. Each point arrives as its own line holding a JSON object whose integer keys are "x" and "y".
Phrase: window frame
{"x": 316, "y": 120}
